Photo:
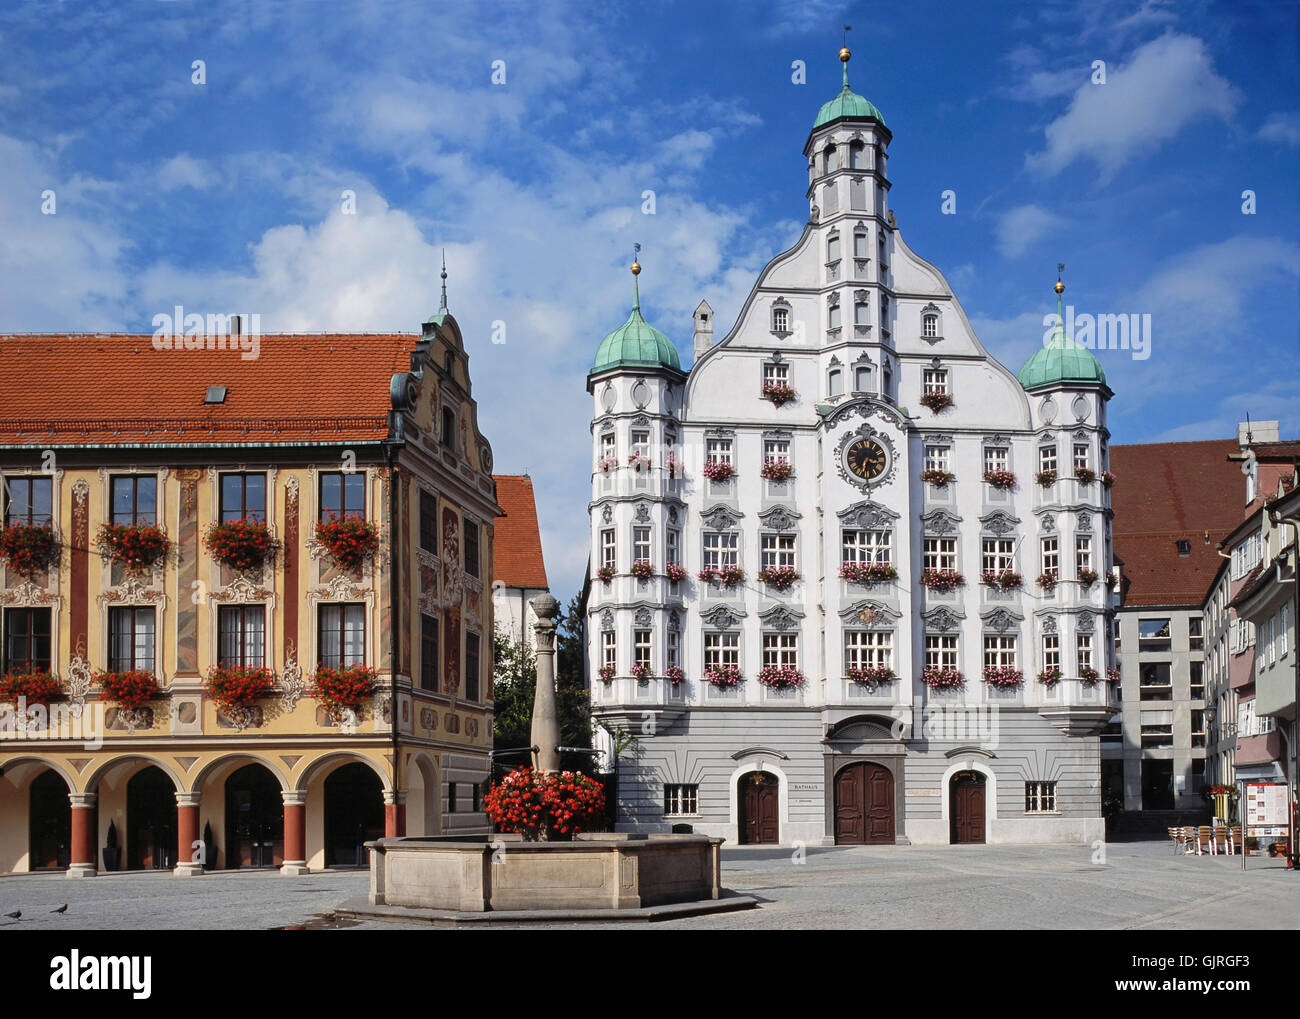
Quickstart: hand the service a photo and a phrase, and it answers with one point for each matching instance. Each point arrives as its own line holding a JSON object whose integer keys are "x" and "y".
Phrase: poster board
{"x": 1266, "y": 814}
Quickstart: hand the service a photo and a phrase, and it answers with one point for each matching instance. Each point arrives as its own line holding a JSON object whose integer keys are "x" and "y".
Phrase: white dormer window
{"x": 930, "y": 324}
{"x": 780, "y": 320}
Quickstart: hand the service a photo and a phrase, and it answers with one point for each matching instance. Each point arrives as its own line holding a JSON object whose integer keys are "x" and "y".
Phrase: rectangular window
{"x": 641, "y": 543}
{"x": 674, "y": 649}
{"x": 131, "y": 639}
{"x": 1051, "y": 651}
{"x": 721, "y": 548}
{"x": 866, "y": 547}
{"x": 241, "y": 635}
{"x": 941, "y": 650}
{"x": 1286, "y": 621}
{"x": 472, "y": 666}
{"x": 471, "y": 548}
{"x": 833, "y": 317}
{"x": 1082, "y": 552}
{"x": 1198, "y": 727}
{"x": 428, "y": 522}
{"x": 243, "y": 497}
{"x": 681, "y": 800}
{"x": 342, "y": 495}
{"x": 342, "y": 633}
{"x": 998, "y": 555}
{"x": 135, "y": 499}
{"x": 1196, "y": 680}
{"x": 452, "y": 797}
{"x": 641, "y": 647}
{"x": 608, "y": 447}
{"x": 1051, "y": 555}
{"x": 861, "y": 313}
{"x": 776, "y": 449}
{"x": 777, "y": 550}
{"x": 1040, "y": 797}
{"x": 449, "y": 428}
{"x": 781, "y": 649}
{"x": 1195, "y": 634}
{"x": 999, "y": 651}
{"x": 940, "y": 554}
{"x": 721, "y": 649}
{"x": 718, "y": 450}
{"x": 609, "y": 651}
{"x": 1157, "y": 735}
{"x": 27, "y": 640}
{"x": 1047, "y": 458}
{"x": 29, "y": 501}
{"x": 863, "y": 648}
{"x": 995, "y": 458}
{"x": 1080, "y": 456}
{"x": 776, "y": 372}
{"x": 641, "y": 442}
{"x": 1155, "y": 681}
{"x": 429, "y": 658}
{"x": 673, "y": 538}
{"x": 1083, "y": 653}
{"x": 937, "y": 458}
{"x": 607, "y": 548}
{"x": 780, "y": 320}
{"x": 1153, "y": 635}
{"x": 934, "y": 380}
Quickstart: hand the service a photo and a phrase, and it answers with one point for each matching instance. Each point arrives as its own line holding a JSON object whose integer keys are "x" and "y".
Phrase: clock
{"x": 866, "y": 458}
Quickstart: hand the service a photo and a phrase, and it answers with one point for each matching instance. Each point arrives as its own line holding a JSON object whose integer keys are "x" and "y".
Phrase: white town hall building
{"x": 849, "y": 572}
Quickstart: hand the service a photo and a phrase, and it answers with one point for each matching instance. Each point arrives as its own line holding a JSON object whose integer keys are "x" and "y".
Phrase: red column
{"x": 295, "y": 832}
{"x": 394, "y": 813}
{"x": 82, "y": 850}
{"x": 189, "y": 857}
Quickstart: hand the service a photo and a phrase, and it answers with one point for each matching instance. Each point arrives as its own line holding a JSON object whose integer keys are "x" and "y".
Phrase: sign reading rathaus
{"x": 849, "y": 572}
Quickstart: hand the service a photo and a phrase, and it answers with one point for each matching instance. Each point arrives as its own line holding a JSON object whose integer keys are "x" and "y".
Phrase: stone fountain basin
{"x": 503, "y": 872}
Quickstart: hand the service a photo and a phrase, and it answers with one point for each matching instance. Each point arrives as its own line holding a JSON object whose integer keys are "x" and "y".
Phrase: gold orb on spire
{"x": 1060, "y": 287}
{"x": 636, "y": 268}
{"x": 845, "y": 54}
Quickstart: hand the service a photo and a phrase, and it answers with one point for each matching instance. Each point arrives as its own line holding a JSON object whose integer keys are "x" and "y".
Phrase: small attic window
{"x": 216, "y": 394}
{"x": 1184, "y": 547}
{"x": 704, "y": 318}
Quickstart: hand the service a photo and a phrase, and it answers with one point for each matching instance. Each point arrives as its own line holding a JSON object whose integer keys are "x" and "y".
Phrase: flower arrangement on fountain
{"x": 135, "y": 546}
{"x": 943, "y": 677}
{"x": 674, "y": 674}
{"x": 780, "y": 677}
{"x": 779, "y": 577}
{"x": 673, "y": 465}
{"x": 642, "y": 569}
{"x": 936, "y": 401}
{"x": 675, "y": 572}
{"x": 718, "y": 470}
{"x": 129, "y": 688}
{"x": 776, "y": 469}
{"x": 342, "y": 690}
{"x": 236, "y": 688}
{"x": 1007, "y": 580}
{"x": 1107, "y": 478}
{"x": 778, "y": 392}
{"x": 936, "y": 477}
{"x": 607, "y": 673}
{"x": 605, "y": 572}
{"x": 1047, "y": 580}
{"x": 607, "y": 463}
{"x": 723, "y": 676}
{"x": 941, "y": 580}
{"x": 543, "y": 805}
{"x": 1088, "y": 674}
{"x": 999, "y": 478}
{"x": 349, "y": 539}
{"x": 1113, "y": 675}
{"x": 1087, "y": 577}
{"x": 1045, "y": 478}
{"x": 240, "y": 544}
{"x": 867, "y": 573}
{"x": 28, "y": 548}
{"x": 1050, "y": 677}
{"x": 727, "y": 576}
{"x": 640, "y": 670}
{"x": 636, "y": 459}
{"x": 870, "y": 675}
{"x": 1085, "y": 475}
{"x": 36, "y": 686}
{"x": 1003, "y": 675}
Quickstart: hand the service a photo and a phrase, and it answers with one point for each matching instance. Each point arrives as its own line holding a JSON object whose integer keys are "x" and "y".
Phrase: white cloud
{"x": 1281, "y": 127}
{"x": 1169, "y": 83}
{"x": 184, "y": 171}
{"x": 1019, "y": 228}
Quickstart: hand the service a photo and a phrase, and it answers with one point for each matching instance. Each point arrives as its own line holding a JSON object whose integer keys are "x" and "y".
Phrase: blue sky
{"x": 226, "y": 196}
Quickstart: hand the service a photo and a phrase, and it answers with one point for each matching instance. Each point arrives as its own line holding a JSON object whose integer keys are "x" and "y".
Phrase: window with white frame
{"x": 941, "y": 650}
{"x": 1195, "y": 634}
{"x": 780, "y": 320}
{"x": 998, "y": 555}
{"x": 937, "y": 457}
{"x": 1272, "y": 640}
{"x": 720, "y": 549}
{"x": 681, "y": 800}
{"x": 1080, "y": 456}
{"x": 776, "y": 450}
{"x": 833, "y": 249}
{"x": 674, "y": 648}
{"x": 718, "y": 450}
{"x": 995, "y": 458}
{"x": 999, "y": 650}
{"x": 866, "y": 546}
{"x": 777, "y": 550}
{"x": 1286, "y": 621}
{"x": 641, "y": 442}
{"x": 1047, "y": 458}
{"x": 860, "y": 249}
{"x": 934, "y": 380}
{"x": 776, "y": 373}
{"x": 1051, "y": 555}
{"x": 609, "y": 649}
{"x": 1083, "y": 650}
{"x": 940, "y": 554}
{"x": 640, "y": 543}
{"x": 862, "y": 379}
{"x": 1051, "y": 651}
{"x": 835, "y": 382}
{"x": 861, "y": 313}
{"x": 781, "y": 650}
{"x": 608, "y": 445}
{"x": 863, "y": 648}
{"x": 930, "y": 324}
{"x": 1082, "y": 552}
{"x": 833, "y": 317}
{"x": 721, "y": 649}
{"x": 673, "y": 545}
{"x": 1040, "y": 797}
{"x": 608, "y": 549}
{"x": 641, "y": 647}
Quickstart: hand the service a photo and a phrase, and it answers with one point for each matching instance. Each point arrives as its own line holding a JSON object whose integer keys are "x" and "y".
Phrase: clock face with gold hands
{"x": 866, "y": 458}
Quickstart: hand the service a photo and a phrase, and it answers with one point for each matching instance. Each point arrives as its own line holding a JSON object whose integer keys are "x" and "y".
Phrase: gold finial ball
{"x": 845, "y": 54}
{"x": 1060, "y": 287}
{"x": 636, "y": 268}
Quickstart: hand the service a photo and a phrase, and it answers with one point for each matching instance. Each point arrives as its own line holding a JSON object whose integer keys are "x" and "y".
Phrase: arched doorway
{"x": 758, "y": 801}
{"x": 150, "y": 821}
{"x": 966, "y": 807}
{"x": 49, "y": 823}
{"x": 254, "y": 819}
{"x": 354, "y": 814}
{"x": 864, "y": 805}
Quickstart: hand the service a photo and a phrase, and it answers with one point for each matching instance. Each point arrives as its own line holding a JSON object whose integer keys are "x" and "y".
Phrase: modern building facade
{"x": 115, "y": 431}
{"x": 519, "y": 568}
{"x": 833, "y": 559}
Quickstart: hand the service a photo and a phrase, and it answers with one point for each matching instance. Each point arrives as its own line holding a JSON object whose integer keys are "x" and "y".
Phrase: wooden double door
{"x": 966, "y": 807}
{"x": 759, "y": 798}
{"x": 864, "y": 805}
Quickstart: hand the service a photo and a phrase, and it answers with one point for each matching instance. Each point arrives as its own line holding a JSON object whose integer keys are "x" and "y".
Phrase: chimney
{"x": 703, "y": 329}
{"x": 1250, "y": 432}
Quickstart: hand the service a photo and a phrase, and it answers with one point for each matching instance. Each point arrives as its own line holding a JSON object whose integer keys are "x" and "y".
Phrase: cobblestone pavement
{"x": 1140, "y": 885}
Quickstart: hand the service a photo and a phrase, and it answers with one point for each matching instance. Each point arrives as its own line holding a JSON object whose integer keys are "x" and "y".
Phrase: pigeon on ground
{"x": 17, "y": 914}
{"x": 61, "y": 909}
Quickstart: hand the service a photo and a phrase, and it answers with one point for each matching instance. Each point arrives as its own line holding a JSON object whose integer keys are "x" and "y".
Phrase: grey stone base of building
{"x": 361, "y": 908}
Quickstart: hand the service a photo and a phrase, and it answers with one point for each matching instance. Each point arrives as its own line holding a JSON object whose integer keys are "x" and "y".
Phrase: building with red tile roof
{"x": 520, "y": 569}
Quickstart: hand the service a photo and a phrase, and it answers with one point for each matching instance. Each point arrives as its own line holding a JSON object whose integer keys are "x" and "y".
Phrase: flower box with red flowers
{"x": 130, "y": 688}
{"x": 607, "y": 673}
{"x": 240, "y": 544}
{"x": 727, "y": 576}
{"x": 1007, "y": 580}
{"x": 867, "y": 573}
{"x": 1107, "y": 478}
{"x": 640, "y": 670}
{"x": 1003, "y": 675}
{"x": 674, "y": 674}
{"x": 1089, "y": 675}
{"x": 605, "y": 572}
{"x": 1113, "y": 675}
{"x": 343, "y": 689}
{"x": 1085, "y": 475}
{"x": 941, "y": 580}
{"x": 776, "y": 470}
{"x": 1050, "y": 677}
{"x": 780, "y": 677}
{"x": 36, "y": 687}
{"x": 607, "y": 463}
{"x": 545, "y": 805}
{"x": 642, "y": 569}
{"x": 778, "y": 392}
{"x": 936, "y": 477}
{"x": 1087, "y": 577}
{"x": 870, "y": 675}
{"x": 238, "y": 687}
{"x": 722, "y": 676}
{"x": 349, "y": 539}
{"x": 999, "y": 478}
{"x": 675, "y": 571}
{"x": 1047, "y": 581}
{"x": 28, "y": 548}
{"x": 135, "y": 546}
{"x": 718, "y": 470}
{"x": 779, "y": 577}
{"x": 1045, "y": 478}
{"x": 673, "y": 466}
{"x": 941, "y": 677}
{"x": 636, "y": 459}
{"x": 936, "y": 401}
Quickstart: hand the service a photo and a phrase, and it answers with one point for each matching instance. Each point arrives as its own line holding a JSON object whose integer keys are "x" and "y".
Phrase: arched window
{"x": 858, "y": 156}
{"x": 828, "y": 158}
{"x": 780, "y": 320}
{"x": 834, "y": 382}
{"x": 833, "y": 249}
{"x": 930, "y": 324}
